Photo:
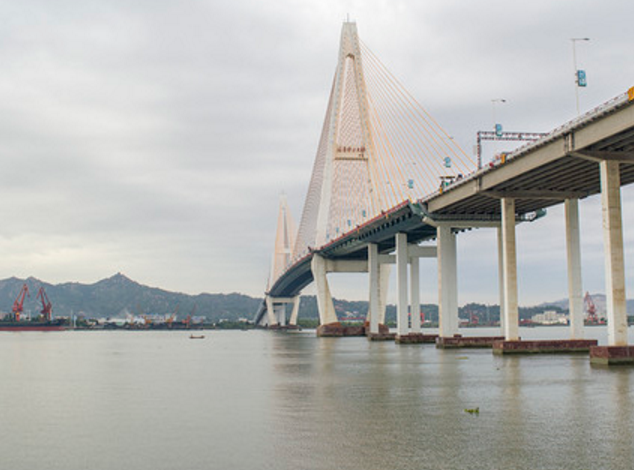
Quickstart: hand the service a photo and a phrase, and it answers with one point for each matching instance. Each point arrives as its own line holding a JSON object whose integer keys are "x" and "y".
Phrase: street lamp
{"x": 497, "y": 127}
{"x": 580, "y": 75}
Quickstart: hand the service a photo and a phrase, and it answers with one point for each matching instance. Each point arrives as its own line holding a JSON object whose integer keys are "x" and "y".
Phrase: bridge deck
{"x": 561, "y": 165}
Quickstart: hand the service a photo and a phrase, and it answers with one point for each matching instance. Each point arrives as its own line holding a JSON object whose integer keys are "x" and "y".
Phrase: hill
{"x": 118, "y": 295}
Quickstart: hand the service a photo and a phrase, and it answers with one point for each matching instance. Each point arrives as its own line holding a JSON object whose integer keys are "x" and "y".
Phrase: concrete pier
{"x": 337, "y": 330}
{"x": 543, "y": 346}
{"x": 459, "y": 341}
{"x": 612, "y": 355}
{"x": 416, "y": 338}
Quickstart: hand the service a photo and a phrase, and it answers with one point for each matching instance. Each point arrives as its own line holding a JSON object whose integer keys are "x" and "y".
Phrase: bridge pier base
{"x": 337, "y": 330}
{"x": 544, "y": 346}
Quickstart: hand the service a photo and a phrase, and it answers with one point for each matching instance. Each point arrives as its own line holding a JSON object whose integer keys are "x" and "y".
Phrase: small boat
{"x": 196, "y": 336}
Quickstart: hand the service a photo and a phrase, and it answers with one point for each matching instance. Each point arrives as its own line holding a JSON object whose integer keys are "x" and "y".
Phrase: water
{"x": 263, "y": 400}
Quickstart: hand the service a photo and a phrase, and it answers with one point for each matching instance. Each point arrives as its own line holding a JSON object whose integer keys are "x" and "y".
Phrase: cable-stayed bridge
{"x": 387, "y": 177}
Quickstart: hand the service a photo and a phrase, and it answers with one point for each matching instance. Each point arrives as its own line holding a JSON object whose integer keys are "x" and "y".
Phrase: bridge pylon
{"x": 282, "y": 257}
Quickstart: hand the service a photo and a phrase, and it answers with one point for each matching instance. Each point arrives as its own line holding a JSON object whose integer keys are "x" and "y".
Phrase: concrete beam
{"x": 346, "y": 266}
{"x": 282, "y": 300}
{"x": 604, "y": 155}
{"x": 535, "y": 194}
{"x": 466, "y": 224}
{"x": 413, "y": 251}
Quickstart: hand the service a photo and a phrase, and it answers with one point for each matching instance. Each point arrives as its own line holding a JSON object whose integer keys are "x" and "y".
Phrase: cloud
{"x": 154, "y": 138}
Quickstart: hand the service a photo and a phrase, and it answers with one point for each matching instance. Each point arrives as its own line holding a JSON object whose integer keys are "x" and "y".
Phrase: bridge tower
{"x": 379, "y": 150}
{"x": 282, "y": 257}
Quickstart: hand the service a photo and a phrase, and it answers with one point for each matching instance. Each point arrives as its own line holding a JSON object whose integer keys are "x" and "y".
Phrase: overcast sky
{"x": 154, "y": 137}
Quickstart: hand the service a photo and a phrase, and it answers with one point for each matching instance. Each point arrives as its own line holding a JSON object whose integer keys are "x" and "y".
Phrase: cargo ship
{"x": 45, "y": 322}
{"x": 52, "y": 325}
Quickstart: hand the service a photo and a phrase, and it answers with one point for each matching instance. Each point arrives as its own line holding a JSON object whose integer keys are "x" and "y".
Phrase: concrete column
{"x": 375, "y": 287}
{"x": 326, "y": 308}
{"x": 501, "y": 277}
{"x": 511, "y": 312}
{"x": 573, "y": 248}
{"x": 295, "y": 311}
{"x": 447, "y": 282}
{"x": 401, "y": 284}
{"x": 414, "y": 280}
{"x": 270, "y": 311}
{"x": 384, "y": 281}
{"x": 281, "y": 314}
{"x": 613, "y": 247}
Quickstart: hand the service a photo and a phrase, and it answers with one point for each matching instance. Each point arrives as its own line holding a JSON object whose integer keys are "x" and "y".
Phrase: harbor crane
{"x": 47, "y": 307}
{"x": 591, "y": 309}
{"x": 18, "y": 304}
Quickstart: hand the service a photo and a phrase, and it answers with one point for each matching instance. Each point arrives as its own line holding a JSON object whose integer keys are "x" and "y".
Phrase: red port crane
{"x": 18, "y": 305}
{"x": 591, "y": 309}
{"x": 47, "y": 307}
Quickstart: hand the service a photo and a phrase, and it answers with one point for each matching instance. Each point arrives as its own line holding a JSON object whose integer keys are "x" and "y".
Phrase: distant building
{"x": 550, "y": 317}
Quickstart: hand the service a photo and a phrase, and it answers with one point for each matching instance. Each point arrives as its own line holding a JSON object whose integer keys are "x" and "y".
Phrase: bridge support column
{"x": 501, "y": 277}
{"x": 384, "y": 279}
{"x": 401, "y": 284}
{"x": 280, "y": 313}
{"x": 295, "y": 311}
{"x": 613, "y": 243}
{"x": 270, "y": 311}
{"x": 447, "y": 282}
{"x": 573, "y": 248}
{"x": 511, "y": 312}
{"x": 414, "y": 278}
{"x": 617, "y": 351}
{"x": 327, "y": 314}
{"x": 375, "y": 287}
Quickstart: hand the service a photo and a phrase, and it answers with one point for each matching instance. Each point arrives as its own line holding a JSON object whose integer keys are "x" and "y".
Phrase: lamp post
{"x": 580, "y": 75}
{"x": 497, "y": 127}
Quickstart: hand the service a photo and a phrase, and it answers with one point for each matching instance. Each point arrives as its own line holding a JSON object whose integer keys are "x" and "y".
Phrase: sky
{"x": 154, "y": 138}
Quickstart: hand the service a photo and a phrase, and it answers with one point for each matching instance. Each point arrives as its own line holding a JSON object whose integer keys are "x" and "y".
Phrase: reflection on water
{"x": 263, "y": 400}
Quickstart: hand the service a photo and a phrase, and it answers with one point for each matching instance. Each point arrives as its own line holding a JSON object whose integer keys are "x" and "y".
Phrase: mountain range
{"x": 118, "y": 296}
